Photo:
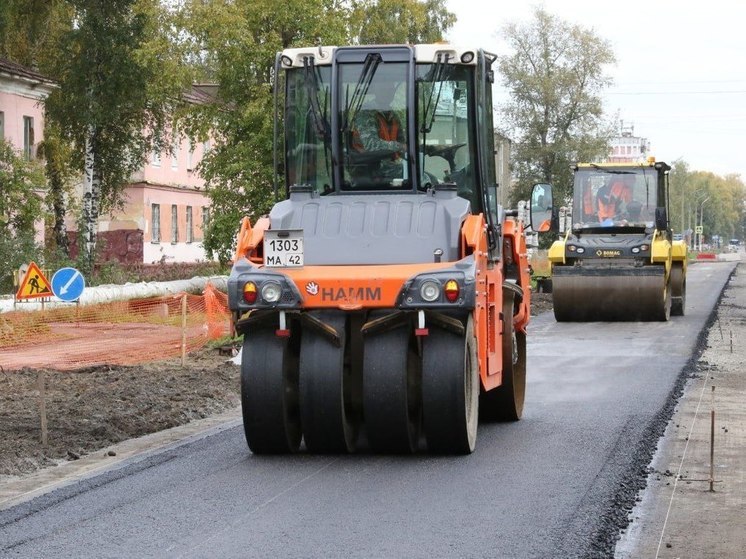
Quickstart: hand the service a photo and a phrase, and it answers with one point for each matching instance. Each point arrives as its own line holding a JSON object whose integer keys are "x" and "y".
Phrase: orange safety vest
{"x": 619, "y": 192}
{"x": 388, "y": 130}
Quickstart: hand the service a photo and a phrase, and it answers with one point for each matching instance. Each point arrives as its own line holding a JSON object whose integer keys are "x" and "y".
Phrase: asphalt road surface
{"x": 558, "y": 483}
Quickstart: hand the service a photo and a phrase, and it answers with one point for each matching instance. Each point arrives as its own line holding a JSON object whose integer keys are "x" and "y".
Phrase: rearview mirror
{"x": 540, "y": 215}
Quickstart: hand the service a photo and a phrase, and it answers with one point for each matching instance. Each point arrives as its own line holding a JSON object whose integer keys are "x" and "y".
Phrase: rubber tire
{"x": 392, "y": 400}
{"x": 450, "y": 390}
{"x": 328, "y": 423}
{"x": 269, "y": 392}
{"x": 678, "y": 289}
{"x": 505, "y": 403}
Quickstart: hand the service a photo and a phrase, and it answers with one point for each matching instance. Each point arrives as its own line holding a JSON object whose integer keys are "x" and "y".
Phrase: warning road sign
{"x": 34, "y": 284}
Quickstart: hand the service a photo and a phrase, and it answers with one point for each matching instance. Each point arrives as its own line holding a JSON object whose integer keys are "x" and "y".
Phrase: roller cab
{"x": 384, "y": 300}
{"x": 616, "y": 260}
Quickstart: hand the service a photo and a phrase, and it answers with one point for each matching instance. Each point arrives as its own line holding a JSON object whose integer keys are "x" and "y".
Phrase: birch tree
{"x": 119, "y": 81}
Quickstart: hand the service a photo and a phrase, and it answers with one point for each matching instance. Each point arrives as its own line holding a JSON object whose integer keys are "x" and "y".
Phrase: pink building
{"x": 22, "y": 95}
{"x": 165, "y": 208}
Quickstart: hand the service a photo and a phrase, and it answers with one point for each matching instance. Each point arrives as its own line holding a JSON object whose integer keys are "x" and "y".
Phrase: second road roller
{"x": 617, "y": 260}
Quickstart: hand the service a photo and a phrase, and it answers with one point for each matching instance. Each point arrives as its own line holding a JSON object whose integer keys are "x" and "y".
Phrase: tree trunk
{"x": 91, "y": 200}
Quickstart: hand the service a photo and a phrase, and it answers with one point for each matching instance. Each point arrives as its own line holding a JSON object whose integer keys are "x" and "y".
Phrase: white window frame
{"x": 155, "y": 218}
{"x": 28, "y": 137}
{"x": 189, "y": 225}
{"x": 174, "y": 224}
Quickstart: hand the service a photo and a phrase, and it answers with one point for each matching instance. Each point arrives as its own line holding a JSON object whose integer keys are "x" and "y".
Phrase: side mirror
{"x": 540, "y": 215}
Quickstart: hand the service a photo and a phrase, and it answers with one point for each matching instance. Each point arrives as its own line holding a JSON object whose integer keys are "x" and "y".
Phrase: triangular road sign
{"x": 34, "y": 284}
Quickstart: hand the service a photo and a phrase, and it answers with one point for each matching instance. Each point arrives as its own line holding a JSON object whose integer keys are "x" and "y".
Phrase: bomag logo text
{"x": 608, "y": 253}
{"x": 351, "y": 294}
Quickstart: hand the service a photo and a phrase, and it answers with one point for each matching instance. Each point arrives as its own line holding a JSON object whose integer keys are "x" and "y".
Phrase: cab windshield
{"x": 610, "y": 197}
{"x": 375, "y": 130}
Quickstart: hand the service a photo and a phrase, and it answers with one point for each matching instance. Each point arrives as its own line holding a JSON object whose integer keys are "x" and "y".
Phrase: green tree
{"x": 119, "y": 80}
{"x": 21, "y": 189}
{"x": 30, "y": 31}
{"x": 704, "y": 198}
{"x": 60, "y": 178}
{"x": 555, "y": 77}
{"x": 399, "y": 21}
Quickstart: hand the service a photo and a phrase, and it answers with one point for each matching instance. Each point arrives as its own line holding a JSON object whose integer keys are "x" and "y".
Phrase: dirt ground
{"x": 93, "y": 408}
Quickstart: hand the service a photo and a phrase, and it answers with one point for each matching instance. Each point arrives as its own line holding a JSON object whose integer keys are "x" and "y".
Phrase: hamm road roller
{"x": 617, "y": 261}
{"x": 384, "y": 302}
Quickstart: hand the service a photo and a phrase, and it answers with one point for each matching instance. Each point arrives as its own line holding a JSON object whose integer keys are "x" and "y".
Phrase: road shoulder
{"x": 678, "y": 515}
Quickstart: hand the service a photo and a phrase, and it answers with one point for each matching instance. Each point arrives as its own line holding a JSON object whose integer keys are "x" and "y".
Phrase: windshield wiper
{"x": 320, "y": 122}
{"x": 438, "y": 73}
{"x": 353, "y": 104}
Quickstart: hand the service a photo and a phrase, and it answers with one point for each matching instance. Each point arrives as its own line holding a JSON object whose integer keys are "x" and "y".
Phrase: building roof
{"x": 201, "y": 94}
{"x": 13, "y": 69}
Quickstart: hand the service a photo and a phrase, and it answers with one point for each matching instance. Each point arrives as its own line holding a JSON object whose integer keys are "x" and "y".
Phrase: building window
{"x": 190, "y": 156}
{"x": 205, "y": 147}
{"x": 155, "y": 217}
{"x": 175, "y": 158}
{"x": 189, "y": 230}
{"x": 28, "y": 137}
{"x": 205, "y": 219}
{"x": 2, "y": 125}
{"x": 156, "y": 161}
{"x": 174, "y": 224}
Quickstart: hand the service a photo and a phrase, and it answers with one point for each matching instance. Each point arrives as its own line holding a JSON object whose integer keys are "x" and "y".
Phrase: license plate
{"x": 283, "y": 249}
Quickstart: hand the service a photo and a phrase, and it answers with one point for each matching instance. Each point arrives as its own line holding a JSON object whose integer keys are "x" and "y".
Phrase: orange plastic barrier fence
{"x": 117, "y": 333}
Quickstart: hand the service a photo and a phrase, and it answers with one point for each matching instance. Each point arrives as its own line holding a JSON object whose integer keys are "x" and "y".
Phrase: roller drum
{"x": 587, "y": 294}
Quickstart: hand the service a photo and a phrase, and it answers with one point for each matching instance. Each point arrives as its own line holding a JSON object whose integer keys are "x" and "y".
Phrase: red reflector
{"x": 421, "y": 332}
{"x": 282, "y": 333}
{"x": 451, "y": 290}
{"x": 249, "y": 293}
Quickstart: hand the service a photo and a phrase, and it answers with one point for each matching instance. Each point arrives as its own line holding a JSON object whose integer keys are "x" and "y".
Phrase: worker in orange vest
{"x": 378, "y": 128}
{"x": 613, "y": 198}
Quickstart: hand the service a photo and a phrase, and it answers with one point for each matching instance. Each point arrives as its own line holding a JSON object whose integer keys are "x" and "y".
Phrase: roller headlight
{"x": 580, "y": 250}
{"x": 271, "y": 292}
{"x": 430, "y": 291}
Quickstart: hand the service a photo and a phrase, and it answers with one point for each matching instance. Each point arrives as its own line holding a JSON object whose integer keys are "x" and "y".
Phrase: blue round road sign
{"x": 68, "y": 284}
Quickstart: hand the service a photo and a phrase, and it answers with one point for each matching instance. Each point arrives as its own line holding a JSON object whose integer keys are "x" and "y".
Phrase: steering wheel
{"x": 445, "y": 151}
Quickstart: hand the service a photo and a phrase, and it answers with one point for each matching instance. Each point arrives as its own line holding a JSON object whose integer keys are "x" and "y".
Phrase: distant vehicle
{"x": 734, "y": 245}
{"x": 619, "y": 260}
{"x": 678, "y": 237}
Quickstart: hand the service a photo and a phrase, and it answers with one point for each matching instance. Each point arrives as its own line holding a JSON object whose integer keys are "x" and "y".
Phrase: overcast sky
{"x": 680, "y": 75}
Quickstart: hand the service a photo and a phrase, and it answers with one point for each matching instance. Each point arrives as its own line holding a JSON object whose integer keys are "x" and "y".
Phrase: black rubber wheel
{"x": 392, "y": 391}
{"x": 329, "y": 424}
{"x": 678, "y": 289}
{"x": 450, "y": 390}
{"x": 269, "y": 392}
{"x": 505, "y": 403}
